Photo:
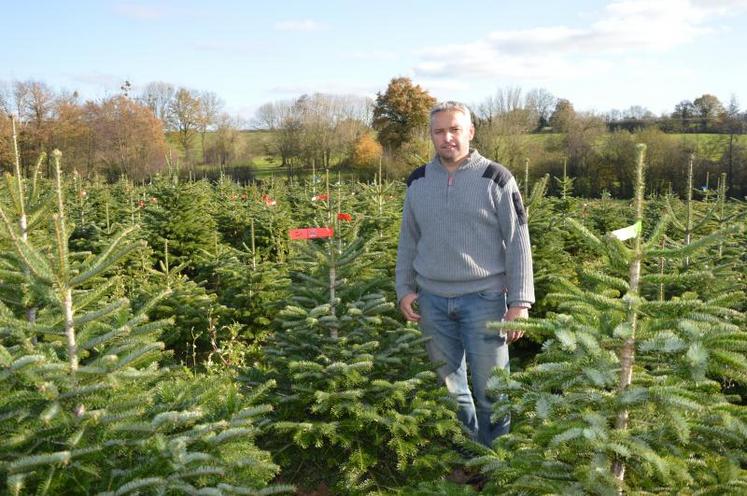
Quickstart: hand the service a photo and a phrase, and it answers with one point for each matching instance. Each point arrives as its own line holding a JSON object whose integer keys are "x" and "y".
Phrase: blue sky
{"x": 600, "y": 55}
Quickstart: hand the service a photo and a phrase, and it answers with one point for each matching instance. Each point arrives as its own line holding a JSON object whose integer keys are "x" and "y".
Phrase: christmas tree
{"x": 625, "y": 396}
{"x": 85, "y": 406}
{"x": 358, "y": 405}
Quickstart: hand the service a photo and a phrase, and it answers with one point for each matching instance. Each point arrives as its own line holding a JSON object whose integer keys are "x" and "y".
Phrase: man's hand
{"x": 514, "y": 313}
{"x": 405, "y": 306}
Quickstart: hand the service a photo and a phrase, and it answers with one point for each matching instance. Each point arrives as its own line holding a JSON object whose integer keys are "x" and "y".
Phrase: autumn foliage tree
{"x": 127, "y": 138}
{"x": 6, "y": 150}
{"x": 111, "y": 137}
{"x": 563, "y": 115}
{"x": 401, "y": 112}
{"x": 367, "y": 152}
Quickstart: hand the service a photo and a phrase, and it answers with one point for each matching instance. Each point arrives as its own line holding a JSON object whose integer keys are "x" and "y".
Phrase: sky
{"x": 600, "y": 55}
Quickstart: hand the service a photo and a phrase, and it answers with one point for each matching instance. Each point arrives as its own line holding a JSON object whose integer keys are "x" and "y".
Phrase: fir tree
{"x": 180, "y": 215}
{"x": 249, "y": 290}
{"x": 358, "y": 406}
{"x": 622, "y": 398}
{"x": 31, "y": 207}
{"x": 85, "y": 407}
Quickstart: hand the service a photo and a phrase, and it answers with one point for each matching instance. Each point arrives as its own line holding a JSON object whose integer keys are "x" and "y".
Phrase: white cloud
{"x": 304, "y": 25}
{"x": 443, "y": 85}
{"x": 622, "y": 28}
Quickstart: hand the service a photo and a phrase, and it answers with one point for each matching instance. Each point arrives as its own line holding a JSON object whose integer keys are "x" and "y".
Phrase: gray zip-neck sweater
{"x": 464, "y": 232}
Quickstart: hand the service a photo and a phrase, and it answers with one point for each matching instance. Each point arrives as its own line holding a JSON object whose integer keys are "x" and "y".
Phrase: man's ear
{"x": 471, "y": 131}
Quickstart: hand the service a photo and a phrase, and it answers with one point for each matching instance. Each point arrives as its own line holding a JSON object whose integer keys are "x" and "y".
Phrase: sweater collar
{"x": 473, "y": 159}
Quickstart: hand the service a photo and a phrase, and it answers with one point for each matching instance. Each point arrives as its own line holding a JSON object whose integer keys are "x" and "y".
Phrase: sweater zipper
{"x": 449, "y": 184}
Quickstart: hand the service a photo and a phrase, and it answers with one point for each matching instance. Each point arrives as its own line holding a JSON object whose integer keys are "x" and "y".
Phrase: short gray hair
{"x": 451, "y": 106}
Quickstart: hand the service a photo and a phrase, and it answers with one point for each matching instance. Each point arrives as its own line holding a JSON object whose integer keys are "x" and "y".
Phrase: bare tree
{"x": 505, "y": 101}
{"x": 332, "y": 124}
{"x": 541, "y": 102}
{"x": 227, "y": 145}
{"x": 157, "y": 96}
{"x": 184, "y": 118}
{"x": 502, "y": 126}
{"x": 734, "y": 125}
{"x": 287, "y": 137}
{"x": 210, "y": 107}
{"x": 268, "y": 116}
{"x": 318, "y": 129}
{"x": 638, "y": 113}
{"x": 6, "y": 98}
{"x": 34, "y": 102}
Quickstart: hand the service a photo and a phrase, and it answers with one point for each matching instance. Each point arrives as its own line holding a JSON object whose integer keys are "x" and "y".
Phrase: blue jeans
{"x": 459, "y": 341}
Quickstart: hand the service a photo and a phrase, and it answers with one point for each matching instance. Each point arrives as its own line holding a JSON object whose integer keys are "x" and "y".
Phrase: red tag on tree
{"x": 311, "y": 233}
{"x": 344, "y": 216}
{"x": 320, "y": 198}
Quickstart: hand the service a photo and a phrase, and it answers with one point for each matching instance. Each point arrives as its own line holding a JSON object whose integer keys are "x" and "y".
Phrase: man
{"x": 464, "y": 256}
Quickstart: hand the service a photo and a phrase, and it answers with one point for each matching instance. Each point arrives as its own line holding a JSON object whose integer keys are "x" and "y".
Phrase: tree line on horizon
{"x": 126, "y": 134}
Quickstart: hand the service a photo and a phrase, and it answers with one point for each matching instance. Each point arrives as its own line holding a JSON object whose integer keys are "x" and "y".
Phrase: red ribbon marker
{"x": 268, "y": 201}
{"x": 311, "y": 233}
{"x": 344, "y": 216}
{"x": 320, "y": 198}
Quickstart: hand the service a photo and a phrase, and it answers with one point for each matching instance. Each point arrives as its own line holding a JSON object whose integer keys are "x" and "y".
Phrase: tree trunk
{"x": 627, "y": 353}
{"x": 72, "y": 346}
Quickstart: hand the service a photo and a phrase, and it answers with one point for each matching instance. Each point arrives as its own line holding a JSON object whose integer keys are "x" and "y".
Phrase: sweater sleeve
{"x": 512, "y": 219}
{"x": 409, "y": 234}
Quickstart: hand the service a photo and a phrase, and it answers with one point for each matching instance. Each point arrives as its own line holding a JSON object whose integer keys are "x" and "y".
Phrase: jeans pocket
{"x": 491, "y": 294}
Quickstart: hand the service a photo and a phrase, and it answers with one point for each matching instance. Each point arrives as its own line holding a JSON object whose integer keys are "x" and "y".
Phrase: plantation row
{"x": 188, "y": 338}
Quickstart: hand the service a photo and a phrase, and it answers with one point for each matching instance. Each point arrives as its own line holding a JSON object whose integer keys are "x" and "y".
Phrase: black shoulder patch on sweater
{"x": 521, "y": 214}
{"x": 415, "y": 175}
{"x": 499, "y": 174}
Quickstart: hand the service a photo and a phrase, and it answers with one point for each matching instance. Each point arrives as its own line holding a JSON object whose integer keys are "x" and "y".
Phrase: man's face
{"x": 451, "y": 132}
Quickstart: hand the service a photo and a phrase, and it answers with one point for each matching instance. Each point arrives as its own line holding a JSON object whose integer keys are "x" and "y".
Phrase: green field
{"x": 257, "y": 142}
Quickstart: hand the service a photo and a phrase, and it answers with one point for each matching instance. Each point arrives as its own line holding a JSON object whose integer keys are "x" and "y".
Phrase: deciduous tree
{"x": 367, "y": 152}
{"x": 226, "y": 145}
{"x": 503, "y": 124}
{"x": 541, "y": 102}
{"x": 157, "y": 96}
{"x": 184, "y": 118}
{"x": 709, "y": 109}
{"x": 127, "y": 137}
{"x": 34, "y": 102}
{"x": 684, "y": 113}
{"x": 209, "y": 110}
{"x": 318, "y": 129}
{"x": 562, "y": 116}
{"x": 400, "y": 112}
{"x": 72, "y": 134}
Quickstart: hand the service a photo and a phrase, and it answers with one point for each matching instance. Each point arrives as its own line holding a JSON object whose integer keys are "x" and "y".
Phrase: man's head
{"x": 451, "y": 131}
